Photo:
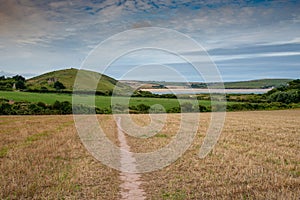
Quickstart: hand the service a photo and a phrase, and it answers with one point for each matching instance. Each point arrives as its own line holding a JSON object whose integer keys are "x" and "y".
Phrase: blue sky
{"x": 246, "y": 39}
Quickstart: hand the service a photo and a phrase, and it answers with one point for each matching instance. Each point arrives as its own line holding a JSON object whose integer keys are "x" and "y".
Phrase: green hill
{"x": 251, "y": 84}
{"x": 48, "y": 82}
{"x": 260, "y": 83}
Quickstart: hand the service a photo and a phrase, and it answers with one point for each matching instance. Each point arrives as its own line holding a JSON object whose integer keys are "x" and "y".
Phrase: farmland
{"x": 251, "y": 84}
{"x": 256, "y": 157}
{"x": 100, "y": 101}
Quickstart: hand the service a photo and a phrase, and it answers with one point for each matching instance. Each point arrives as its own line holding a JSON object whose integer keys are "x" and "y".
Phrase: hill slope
{"x": 252, "y": 84}
{"x": 45, "y": 82}
{"x": 260, "y": 83}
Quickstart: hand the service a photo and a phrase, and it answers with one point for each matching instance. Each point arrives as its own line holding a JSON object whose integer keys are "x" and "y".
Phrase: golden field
{"x": 256, "y": 157}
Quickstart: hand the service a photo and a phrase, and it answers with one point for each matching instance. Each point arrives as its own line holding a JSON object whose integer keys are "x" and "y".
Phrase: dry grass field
{"x": 257, "y": 157}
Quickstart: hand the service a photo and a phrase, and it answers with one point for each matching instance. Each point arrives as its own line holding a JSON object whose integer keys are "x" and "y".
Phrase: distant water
{"x": 206, "y": 91}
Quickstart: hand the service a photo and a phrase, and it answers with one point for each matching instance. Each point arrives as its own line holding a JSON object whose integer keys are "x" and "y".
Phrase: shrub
{"x": 174, "y": 110}
{"x": 290, "y": 96}
{"x": 203, "y": 108}
{"x": 59, "y": 86}
{"x": 142, "y": 108}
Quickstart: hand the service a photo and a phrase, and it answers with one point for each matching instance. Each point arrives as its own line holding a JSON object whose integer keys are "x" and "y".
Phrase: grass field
{"x": 100, "y": 101}
{"x": 257, "y": 157}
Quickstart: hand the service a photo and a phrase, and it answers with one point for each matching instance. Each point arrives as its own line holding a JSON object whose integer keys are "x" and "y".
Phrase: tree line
{"x": 19, "y": 83}
{"x": 11, "y": 83}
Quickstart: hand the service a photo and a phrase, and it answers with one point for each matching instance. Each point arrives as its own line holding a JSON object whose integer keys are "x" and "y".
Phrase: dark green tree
{"x": 59, "y": 86}
{"x": 19, "y": 78}
{"x": 20, "y": 84}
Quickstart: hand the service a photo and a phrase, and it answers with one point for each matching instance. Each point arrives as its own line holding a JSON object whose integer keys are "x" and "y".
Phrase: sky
{"x": 244, "y": 39}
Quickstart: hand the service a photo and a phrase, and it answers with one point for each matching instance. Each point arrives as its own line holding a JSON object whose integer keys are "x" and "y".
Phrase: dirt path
{"x": 131, "y": 186}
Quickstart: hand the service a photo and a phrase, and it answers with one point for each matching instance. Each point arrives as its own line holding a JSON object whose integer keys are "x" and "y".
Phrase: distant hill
{"x": 46, "y": 82}
{"x": 252, "y": 84}
{"x": 255, "y": 84}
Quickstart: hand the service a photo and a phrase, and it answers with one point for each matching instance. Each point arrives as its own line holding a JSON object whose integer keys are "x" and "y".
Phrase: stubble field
{"x": 256, "y": 157}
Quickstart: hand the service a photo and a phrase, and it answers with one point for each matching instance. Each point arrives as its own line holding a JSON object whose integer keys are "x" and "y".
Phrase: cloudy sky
{"x": 245, "y": 39}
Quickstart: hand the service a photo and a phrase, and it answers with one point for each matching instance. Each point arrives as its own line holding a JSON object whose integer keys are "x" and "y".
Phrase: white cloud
{"x": 254, "y": 55}
{"x": 295, "y": 40}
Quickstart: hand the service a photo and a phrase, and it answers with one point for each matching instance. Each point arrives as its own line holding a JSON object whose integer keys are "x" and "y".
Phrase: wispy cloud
{"x": 254, "y": 56}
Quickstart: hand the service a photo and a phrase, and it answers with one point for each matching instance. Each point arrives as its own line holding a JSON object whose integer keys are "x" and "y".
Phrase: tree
{"x": 59, "y": 86}
{"x": 20, "y": 84}
{"x": 19, "y": 78}
{"x": 66, "y": 107}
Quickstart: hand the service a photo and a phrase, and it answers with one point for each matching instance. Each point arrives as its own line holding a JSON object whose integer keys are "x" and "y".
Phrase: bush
{"x": 203, "y": 108}
{"x": 290, "y": 96}
{"x": 142, "y": 108}
{"x": 5, "y": 109}
{"x": 59, "y": 86}
{"x": 83, "y": 109}
{"x": 40, "y": 108}
{"x": 44, "y": 89}
{"x": 42, "y": 104}
{"x": 174, "y": 110}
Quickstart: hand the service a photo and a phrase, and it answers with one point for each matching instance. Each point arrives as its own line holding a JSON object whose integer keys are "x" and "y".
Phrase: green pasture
{"x": 100, "y": 101}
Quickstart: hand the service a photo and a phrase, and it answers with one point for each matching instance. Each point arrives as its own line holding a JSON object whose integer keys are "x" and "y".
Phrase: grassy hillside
{"x": 67, "y": 78}
{"x": 260, "y": 83}
{"x": 252, "y": 84}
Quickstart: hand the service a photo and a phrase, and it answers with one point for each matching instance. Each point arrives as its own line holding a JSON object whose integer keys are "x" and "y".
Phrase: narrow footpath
{"x": 131, "y": 186}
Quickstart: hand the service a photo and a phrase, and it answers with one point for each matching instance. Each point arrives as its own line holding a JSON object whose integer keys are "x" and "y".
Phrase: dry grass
{"x": 45, "y": 160}
{"x": 257, "y": 157}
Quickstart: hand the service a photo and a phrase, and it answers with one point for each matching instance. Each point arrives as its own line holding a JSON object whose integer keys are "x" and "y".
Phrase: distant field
{"x": 251, "y": 84}
{"x": 260, "y": 83}
{"x": 101, "y": 101}
{"x": 257, "y": 157}
{"x": 207, "y": 91}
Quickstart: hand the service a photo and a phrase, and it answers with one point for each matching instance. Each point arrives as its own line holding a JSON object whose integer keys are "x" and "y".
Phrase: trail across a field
{"x": 256, "y": 157}
{"x": 131, "y": 186}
